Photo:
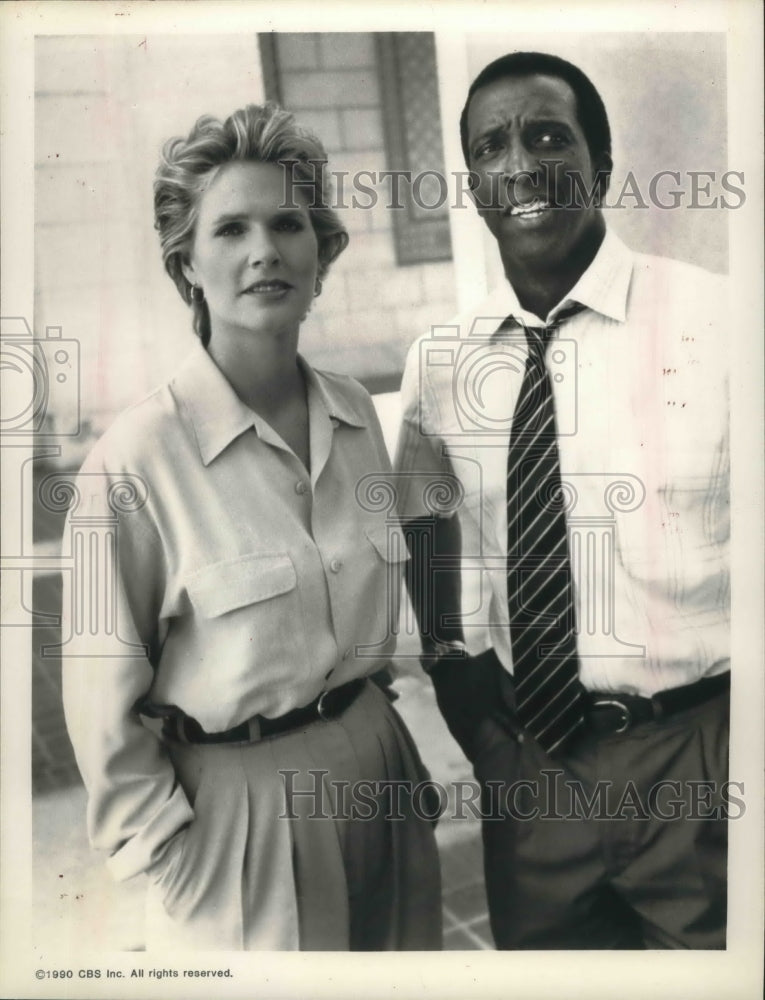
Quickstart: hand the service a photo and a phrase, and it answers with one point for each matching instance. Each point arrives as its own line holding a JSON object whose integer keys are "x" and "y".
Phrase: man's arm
{"x": 433, "y": 580}
{"x": 467, "y": 687}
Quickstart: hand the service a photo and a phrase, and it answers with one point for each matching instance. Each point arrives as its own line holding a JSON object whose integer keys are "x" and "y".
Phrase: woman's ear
{"x": 188, "y": 269}
{"x": 331, "y": 247}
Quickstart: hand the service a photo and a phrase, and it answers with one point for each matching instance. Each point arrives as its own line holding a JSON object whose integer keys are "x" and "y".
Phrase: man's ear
{"x": 473, "y": 180}
{"x": 603, "y": 169}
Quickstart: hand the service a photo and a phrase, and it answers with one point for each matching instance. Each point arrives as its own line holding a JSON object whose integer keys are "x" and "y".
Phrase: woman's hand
{"x": 168, "y": 857}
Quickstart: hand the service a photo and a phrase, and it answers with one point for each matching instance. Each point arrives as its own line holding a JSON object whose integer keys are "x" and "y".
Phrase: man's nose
{"x": 519, "y": 164}
{"x": 262, "y": 250}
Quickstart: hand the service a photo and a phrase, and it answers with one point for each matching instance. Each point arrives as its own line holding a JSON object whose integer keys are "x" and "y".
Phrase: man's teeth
{"x": 535, "y": 208}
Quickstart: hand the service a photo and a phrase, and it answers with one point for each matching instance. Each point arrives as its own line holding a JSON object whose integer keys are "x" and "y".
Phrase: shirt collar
{"x": 336, "y": 403}
{"x": 605, "y": 284}
{"x": 603, "y": 287}
{"x": 209, "y": 404}
{"x": 218, "y": 416}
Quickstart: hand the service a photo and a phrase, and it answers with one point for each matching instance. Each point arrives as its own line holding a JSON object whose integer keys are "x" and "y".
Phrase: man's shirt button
{"x": 335, "y": 565}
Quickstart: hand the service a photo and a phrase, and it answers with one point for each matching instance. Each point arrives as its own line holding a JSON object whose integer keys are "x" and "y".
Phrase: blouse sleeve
{"x": 135, "y": 804}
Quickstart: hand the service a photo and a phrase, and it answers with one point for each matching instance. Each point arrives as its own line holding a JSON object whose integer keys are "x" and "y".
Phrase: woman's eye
{"x": 230, "y": 229}
{"x": 289, "y": 225}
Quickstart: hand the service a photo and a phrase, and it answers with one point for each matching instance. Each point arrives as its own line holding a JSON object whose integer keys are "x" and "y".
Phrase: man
{"x": 578, "y": 421}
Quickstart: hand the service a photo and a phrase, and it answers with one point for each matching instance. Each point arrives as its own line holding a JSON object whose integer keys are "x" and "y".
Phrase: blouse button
{"x": 335, "y": 565}
{"x": 300, "y": 487}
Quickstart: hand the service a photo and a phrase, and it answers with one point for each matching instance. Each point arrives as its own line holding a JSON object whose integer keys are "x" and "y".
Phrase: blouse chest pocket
{"x": 390, "y": 543}
{"x": 251, "y": 610}
{"x": 383, "y": 582}
{"x": 235, "y": 583}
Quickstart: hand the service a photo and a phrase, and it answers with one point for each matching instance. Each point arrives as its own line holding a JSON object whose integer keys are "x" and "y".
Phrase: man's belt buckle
{"x": 613, "y": 703}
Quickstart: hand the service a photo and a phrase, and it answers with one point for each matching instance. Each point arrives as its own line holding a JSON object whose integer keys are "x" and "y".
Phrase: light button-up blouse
{"x": 250, "y": 585}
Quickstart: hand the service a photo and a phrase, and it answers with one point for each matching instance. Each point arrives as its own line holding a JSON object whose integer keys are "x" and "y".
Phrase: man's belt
{"x": 616, "y": 713}
{"x": 328, "y": 705}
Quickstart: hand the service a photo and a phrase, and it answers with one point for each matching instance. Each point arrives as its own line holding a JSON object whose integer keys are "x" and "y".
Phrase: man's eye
{"x": 487, "y": 148}
{"x": 550, "y": 140}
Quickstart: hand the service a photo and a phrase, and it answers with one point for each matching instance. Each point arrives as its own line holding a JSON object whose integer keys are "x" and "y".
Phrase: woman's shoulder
{"x": 341, "y": 381}
{"x": 135, "y": 436}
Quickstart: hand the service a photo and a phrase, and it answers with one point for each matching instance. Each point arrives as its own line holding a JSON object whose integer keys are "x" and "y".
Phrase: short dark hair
{"x": 590, "y": 108}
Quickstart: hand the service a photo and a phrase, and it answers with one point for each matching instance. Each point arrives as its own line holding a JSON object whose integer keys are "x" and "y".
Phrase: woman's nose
{"x": 263, "y": 251}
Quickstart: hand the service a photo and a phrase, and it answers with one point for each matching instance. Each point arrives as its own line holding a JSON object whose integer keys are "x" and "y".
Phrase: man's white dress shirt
{"x": 641, "y": 395}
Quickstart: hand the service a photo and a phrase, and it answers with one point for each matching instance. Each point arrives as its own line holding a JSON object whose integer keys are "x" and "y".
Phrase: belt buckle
{"x": 613, "y": 703}
{"x": 321, "y": 711}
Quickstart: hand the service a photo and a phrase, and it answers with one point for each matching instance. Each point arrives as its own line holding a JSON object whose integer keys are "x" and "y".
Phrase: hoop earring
{"x": 197, "y": 293}
{"x": 317, "y": 288}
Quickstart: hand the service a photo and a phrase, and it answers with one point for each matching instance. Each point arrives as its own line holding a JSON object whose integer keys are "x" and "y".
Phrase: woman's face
{"x": 255, "y": 260}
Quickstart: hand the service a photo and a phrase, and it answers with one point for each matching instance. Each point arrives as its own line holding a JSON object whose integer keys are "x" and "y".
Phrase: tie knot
{"x": 538, "y": 337}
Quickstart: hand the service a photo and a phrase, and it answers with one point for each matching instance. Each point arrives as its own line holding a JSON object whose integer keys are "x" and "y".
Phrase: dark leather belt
{"x": 609, "y": 713}
{"x": 328, "y": 705}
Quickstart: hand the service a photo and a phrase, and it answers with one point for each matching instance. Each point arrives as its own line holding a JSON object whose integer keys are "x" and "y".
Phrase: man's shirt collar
{"x": 605, "y": 284}
{"x": 217, "y": 416}
{"x": 603, "y": 288}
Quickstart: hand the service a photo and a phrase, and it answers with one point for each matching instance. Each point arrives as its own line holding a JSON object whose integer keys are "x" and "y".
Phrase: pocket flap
{"x": 235, "y": 583}
{"x": 389, "y": 541}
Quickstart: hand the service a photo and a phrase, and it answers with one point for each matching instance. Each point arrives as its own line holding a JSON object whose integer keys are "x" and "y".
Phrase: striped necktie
{"x": 548, "y": 693}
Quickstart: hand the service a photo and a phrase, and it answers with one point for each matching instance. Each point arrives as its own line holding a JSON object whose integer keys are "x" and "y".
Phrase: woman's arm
{"x": 135, "y": 804}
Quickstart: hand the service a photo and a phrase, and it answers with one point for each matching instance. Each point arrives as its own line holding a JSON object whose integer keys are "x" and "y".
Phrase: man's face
{"x": 534, "y": 168}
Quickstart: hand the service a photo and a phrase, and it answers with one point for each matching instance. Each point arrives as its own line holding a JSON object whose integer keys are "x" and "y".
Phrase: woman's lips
{"x": 273, "y": 287}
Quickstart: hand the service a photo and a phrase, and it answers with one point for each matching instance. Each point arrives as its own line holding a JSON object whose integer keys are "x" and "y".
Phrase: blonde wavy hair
{"x": 258, "y": 133}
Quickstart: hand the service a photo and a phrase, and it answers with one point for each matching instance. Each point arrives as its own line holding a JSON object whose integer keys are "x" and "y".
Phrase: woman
{"x": 253, "y": 580}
